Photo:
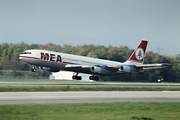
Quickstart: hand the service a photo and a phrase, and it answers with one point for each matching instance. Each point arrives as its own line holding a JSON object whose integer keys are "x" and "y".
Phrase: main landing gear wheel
{"x": 33, "y": 69}
{"x": 76, "y": 77}
{"x": 96, "y": 78}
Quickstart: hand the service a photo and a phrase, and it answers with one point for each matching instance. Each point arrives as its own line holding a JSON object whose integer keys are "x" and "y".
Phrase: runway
{"x": 86, "y": 97}
{"x": 107, "y": 84}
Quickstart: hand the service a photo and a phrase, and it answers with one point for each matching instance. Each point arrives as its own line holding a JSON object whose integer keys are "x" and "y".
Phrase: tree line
{"x": 9, "y": 60}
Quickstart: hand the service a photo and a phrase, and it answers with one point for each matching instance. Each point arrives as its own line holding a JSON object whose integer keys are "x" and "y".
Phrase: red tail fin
{"x": 139, "y": 54}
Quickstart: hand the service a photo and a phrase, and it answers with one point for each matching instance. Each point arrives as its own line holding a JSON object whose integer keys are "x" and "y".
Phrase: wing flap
{"x": 112, "y": 68}
{"x": 78, "y": 66}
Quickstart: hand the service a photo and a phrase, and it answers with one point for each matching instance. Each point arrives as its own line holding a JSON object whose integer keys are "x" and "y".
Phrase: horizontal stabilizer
{"x": 150, "y": 68}
{"x": 153, "y": 66}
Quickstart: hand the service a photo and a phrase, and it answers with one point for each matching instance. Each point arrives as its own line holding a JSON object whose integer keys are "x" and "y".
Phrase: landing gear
{"x": 76, "y": 77}
{"x": 33, "y": 69}
{"x": 96, "y": 78}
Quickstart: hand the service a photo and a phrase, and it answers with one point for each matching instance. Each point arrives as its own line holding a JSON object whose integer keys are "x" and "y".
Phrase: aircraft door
{"x": 37, "y": 54}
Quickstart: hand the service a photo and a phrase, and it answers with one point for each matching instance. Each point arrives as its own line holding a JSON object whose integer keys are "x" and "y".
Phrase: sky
{"x": 99, "y": 22}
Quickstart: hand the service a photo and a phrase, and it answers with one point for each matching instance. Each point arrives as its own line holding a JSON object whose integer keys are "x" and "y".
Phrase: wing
{"x": 111, "y": 69}
{"x": 99, "y": 69}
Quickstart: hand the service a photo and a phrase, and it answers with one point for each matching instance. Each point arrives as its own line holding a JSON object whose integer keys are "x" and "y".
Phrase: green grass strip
{"x": 41, "y": 88}
{"x": 92, "y": 111}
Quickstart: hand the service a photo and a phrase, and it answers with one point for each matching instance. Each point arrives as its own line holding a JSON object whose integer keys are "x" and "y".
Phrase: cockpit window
{"x": 26, "y": 53}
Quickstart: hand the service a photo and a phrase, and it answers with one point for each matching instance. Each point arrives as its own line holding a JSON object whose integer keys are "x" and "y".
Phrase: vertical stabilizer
{"x": 138, "y": 55}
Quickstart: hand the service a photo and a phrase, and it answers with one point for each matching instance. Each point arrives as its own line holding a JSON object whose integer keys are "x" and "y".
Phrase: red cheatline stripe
{"x": 28, "y": 57}
{"x": 38, "y": 58}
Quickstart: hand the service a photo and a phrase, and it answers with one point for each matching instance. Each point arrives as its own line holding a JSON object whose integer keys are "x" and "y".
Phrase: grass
{"x": 65, "y": 81}
{"x": 41, "y": 88}
{"x": 36, "y": 88}
{"x": 92, "y": 111}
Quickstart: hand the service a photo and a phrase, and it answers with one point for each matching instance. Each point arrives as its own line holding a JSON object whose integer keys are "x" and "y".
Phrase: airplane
{"x": 56, "y": 61}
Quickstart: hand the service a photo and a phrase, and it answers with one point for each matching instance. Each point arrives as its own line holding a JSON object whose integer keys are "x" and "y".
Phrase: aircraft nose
{"x": 19, "y": 56}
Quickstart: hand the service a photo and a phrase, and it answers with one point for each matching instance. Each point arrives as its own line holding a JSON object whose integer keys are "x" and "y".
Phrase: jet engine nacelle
{"x": 99, "y": 69}
{"x": 48, "y": 69}
{"x": 128, "y": 69}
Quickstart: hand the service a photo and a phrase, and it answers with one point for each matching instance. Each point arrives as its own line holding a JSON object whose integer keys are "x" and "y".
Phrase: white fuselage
{"x": 57, "y": 60}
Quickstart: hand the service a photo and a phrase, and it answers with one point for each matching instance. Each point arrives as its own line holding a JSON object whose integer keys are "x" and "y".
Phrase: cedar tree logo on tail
{"x": 139, "y": 54}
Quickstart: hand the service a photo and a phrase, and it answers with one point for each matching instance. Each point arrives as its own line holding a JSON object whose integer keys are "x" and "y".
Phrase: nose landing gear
{"x": 33, "y": 69}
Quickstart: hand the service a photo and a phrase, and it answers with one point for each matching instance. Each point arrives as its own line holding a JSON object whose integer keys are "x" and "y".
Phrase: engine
{"x": 128, "y": 69}
{"x": 48, "y": 69}
{"x": 99, "y": 69}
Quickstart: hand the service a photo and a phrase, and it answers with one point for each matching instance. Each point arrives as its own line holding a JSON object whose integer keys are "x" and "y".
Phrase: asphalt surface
{"x": 7, "y": 98}
{"x": 120, "y": 84}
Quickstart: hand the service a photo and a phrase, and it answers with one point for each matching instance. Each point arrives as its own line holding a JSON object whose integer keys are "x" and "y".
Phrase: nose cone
{"x": 19, "y": 56}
